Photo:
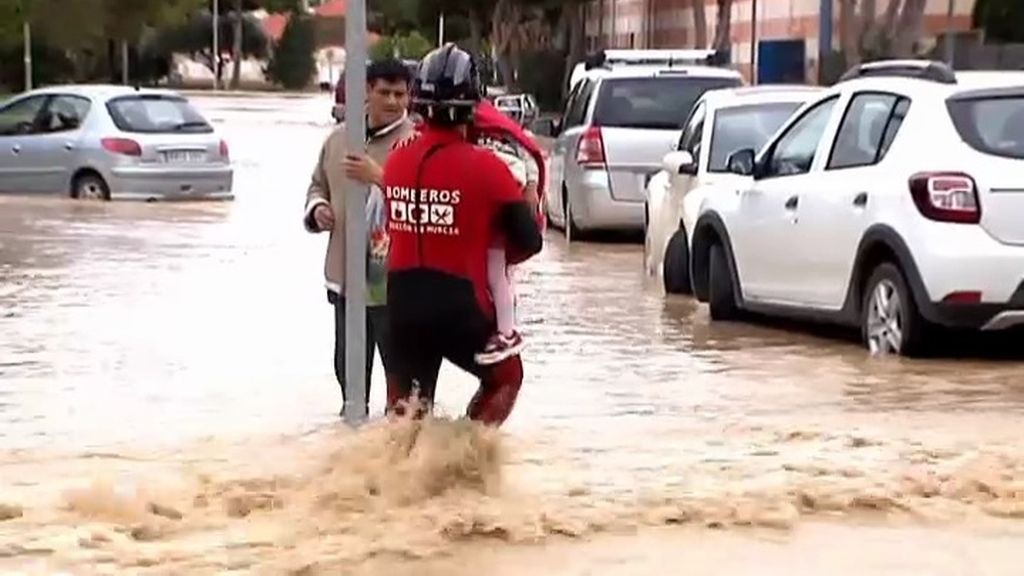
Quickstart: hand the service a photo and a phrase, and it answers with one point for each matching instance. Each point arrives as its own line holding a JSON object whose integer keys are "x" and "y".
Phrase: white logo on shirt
{"x": 427, "y": 211}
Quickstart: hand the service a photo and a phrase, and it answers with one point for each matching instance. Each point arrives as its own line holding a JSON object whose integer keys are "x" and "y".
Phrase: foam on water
{"x": 413, "y": 491}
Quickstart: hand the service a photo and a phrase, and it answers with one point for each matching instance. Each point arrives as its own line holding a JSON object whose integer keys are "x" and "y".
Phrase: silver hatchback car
{"x": 111, "y": 142}
{"x": 617, "y": 126}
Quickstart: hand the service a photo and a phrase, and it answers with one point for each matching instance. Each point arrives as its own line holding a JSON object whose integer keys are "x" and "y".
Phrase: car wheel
{"x": 721, "y": 297}
{"x": 648, "y": 268}
{"x": 571, "y": 229}
{"x": 90, "y": 186}
{"x": 676, "y": 265}
{"x": 551, "y": 220}
{"x": 890, "y": 320}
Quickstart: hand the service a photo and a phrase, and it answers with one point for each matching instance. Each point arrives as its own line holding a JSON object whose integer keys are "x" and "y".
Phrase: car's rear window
{"x": 662, "y": 102}
{"x": 748, "y": 126}
{"x": 156, "y": 114}
{"x": 991, "y": 125}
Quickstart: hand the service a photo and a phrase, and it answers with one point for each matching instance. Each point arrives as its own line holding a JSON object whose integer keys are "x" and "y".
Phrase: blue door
{"x": 782, "y": 62}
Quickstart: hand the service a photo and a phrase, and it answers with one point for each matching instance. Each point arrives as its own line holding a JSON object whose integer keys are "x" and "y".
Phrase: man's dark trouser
{"x": 376, "y": 337}
{"x": 420, "y": 344}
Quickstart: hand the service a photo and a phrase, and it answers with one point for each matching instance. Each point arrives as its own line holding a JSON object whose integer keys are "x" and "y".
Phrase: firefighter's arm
{"x": 522, "y": 235}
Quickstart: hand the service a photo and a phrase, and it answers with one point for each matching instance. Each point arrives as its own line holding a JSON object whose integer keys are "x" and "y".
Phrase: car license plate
{"x": 184, "y": 156}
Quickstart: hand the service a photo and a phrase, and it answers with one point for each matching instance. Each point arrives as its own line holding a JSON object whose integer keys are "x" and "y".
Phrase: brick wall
{"x": 669, "y": 24}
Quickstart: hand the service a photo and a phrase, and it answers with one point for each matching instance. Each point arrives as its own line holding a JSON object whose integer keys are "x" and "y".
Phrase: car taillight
{"x": 590, "y": 151}
{"x": 122, "y": 146}
{"x": 225, "y": 153}
{"x": 946, "y": 197}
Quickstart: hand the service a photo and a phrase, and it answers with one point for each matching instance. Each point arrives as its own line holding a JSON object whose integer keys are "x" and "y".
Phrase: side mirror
{"x": 679, "y": 162}
{"x": 741, "y": 162}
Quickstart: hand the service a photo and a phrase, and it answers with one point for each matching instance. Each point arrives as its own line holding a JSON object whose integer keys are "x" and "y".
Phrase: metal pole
{"x": 440, "y": 30}
{"x": 824, "y": 37}
{"x": 27, "y": 33}
{"x": 216, "y": 44}
{"x": 950, "y": 44}
{"x": 355, "y": 216}
{"x": 753, "y": 41}
{"x": 124, "y": 62}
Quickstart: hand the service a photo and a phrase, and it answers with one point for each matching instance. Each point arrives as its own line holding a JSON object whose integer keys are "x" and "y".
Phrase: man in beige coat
{"x": 387, "y": 123}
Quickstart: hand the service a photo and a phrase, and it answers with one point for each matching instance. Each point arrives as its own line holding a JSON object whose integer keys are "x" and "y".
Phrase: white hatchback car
{"x": 722, "y": 122}
{"x": 893, "y": 202}
{"x": 106, "y": 142}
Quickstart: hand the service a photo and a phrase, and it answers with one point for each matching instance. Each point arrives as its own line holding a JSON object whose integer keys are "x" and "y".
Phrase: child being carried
{"x": 507, "y": 342}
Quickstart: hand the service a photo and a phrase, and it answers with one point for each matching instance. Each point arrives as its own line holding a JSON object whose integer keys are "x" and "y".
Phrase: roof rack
{"x": 611, "y": 58}
{"x": 930, "y": 70}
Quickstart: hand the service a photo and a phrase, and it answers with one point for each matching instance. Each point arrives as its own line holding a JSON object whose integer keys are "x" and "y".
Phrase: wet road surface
{"x": 167, "y": 406}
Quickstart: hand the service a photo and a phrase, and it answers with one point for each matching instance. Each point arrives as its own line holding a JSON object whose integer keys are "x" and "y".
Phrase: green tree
{"x": 292, "y": 65}
{"x": 238, "y": 36}
{"x": 390, "y": 17}
{"x": 11, "y": 19}
{"x": 412, "y": 46}
{"x": 194, "y": 36}
{"x": 80, "y": 39}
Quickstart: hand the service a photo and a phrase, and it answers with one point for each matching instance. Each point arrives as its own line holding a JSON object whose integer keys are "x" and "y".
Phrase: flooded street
{"x": 168, "y": 406}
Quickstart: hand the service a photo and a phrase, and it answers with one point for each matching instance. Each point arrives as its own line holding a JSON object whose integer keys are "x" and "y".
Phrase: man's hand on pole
{"x": 363, "y": 169}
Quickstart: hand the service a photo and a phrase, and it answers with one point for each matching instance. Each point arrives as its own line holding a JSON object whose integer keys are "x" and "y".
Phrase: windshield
{"x": 662, "y": 102}
{"x": 991, "y": 125}
{"x": 156, "y": 114}
{"x": 742, "y": 127}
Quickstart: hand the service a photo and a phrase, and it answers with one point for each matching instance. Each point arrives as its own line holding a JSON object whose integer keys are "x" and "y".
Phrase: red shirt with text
{"x": 443, "y": 198}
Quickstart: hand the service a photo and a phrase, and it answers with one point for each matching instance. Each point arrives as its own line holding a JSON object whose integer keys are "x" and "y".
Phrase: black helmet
{"x": 447, "y": 86}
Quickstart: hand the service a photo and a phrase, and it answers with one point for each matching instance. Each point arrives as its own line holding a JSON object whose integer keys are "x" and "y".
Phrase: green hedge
{"x": 292, "y": 65}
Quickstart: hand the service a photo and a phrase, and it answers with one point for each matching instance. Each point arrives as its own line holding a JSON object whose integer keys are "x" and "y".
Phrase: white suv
{"x": 893, "y": 202}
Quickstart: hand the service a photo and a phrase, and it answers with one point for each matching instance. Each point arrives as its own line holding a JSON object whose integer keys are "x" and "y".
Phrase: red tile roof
{"x": 331, "y": 9}
{"x": 274, "y": 25}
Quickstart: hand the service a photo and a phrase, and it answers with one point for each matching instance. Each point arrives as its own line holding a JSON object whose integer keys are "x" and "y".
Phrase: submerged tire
{"x": 891, "y": 323}
{"x": 676, "y": 265}
{"x": 90, "y": 186}
{"x": 721, "y": 295}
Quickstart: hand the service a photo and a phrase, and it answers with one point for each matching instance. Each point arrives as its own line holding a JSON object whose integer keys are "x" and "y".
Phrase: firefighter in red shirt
{"x": 447, "y": 199}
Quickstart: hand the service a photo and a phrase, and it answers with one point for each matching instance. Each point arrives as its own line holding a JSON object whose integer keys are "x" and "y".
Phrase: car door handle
{"x": 861, "y": 200}
{"x": 792, "y": 202}
{"x": 16, "y": 149}
{"x": 69, "y": 146}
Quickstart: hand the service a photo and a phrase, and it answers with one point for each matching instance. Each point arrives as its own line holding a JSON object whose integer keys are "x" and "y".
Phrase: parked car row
{"x": 100, "y": 142}
{"x": 891, "y": 202}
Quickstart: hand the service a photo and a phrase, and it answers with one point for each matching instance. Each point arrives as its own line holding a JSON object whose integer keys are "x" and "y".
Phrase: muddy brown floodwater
{"x": 167, "y": 406}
